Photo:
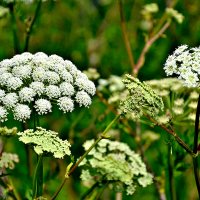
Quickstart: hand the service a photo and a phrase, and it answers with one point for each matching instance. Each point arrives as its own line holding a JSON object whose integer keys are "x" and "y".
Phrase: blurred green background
{"x": 88, "y": 33}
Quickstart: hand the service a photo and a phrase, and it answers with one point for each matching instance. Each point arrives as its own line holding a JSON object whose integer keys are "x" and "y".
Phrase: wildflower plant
{"x": 116, "y": 164}
{"x": 140, "y": 100}
{"x": 45, "y": 142}
{"x": 36, "y": 81}
{"x": 184, "y": 63}
{"x": 179, "y": 100}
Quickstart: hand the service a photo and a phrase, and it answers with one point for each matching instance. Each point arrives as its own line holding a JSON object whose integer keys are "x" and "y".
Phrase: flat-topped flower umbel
{"x": 36, "y": 81}
{"x": 185, "y": 63}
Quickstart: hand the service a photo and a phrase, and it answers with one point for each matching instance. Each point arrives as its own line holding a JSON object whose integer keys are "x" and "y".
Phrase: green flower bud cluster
{"x": 45, "y": 142}
{"x": 4, "y": 131}
{"x": 141, "y": 99}
{"x": 8, "y": 160}
{"x": 178, "y": 99}
{"x": 175, "y": 14}
{"x": 115, "y": 163}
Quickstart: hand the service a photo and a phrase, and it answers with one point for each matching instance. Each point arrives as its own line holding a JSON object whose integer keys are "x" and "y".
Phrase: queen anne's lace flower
{"x": 45, "y": 142}
{"x": 22, "y": 112}
{"x": 22, "y": 71}
{"x": 52, "y": 91}
{"x": 43, "y": 106}
{"x": 26, "y": 94}
{"x": 10, "y": 100}
{"x": 38, "y": 87}
{"x": 66, "y": 104}
{"x": 184, "y": 63}
{"x": 3, "y": 114}
{"x": 2, "y": 94}
{"x": 40, "y": 80}
{"x": 83, "y": 99}
{"x": 67, "y": 89}
{"x": 115, "y": 163}
{"x": 13, "y": 83}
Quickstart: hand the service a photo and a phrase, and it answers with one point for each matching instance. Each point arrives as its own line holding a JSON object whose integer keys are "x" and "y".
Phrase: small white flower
{"x": 2, "y": 94}
{"x": 4, "y": 77}
{"x": 3, "y": 114}
{"x": 13, "y": 83}
{"x": 191, "y": 79}
{"x": 66, "y": 76}
{"x": 21, "y": 112}
{"x": 42, "y": 106}
{"x": 22, "y": 71}
{"x": 52, "y": 91}
{"x": 85, "y": 84}
{"x": 83, "y": 99}
{"x": 39, "y": 74}
{"x": 4, "y": 69}
{"x": 66, "y": 104}
{"x": 6, "y": 63}
{"x": 170, "y": 68}
{"x": 38, "y": 87}
{"x": 66, "y": 89}
{"x": 180, "y": 49}
{"x": 10, "y": 100}
{"x": 26, "y": 94}
{"x": 56, "y": 59}
{"x": 52, "y": 77}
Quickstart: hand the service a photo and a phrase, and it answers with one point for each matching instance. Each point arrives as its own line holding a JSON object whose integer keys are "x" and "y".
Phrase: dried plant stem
{"x": 147, "y": 45}
{"x": 177, "y": 138}
{"x": 125, "y": 35}
{"x": 29, "y": 27}
{"x": 195, "y": 148}
{"x": 102, "y": 136}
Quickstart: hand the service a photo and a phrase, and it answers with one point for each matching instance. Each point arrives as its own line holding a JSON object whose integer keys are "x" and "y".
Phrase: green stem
{"x": 38, "y": 178}
{"x": 195, "y": 148}
{"x": 30, "y": 26}
{"x": 102, "y": 136}
{"x": 171, "y": 174}
{"x": 14, "y": 29}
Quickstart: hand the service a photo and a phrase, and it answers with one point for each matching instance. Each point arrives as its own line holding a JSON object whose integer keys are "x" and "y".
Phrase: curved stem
{"x": 195, "y": 148}
{"x": 176, "y": 137}
{"x": 102, "y": 136}
{"x": 172, "y": 188}
{"x": 147, "y": 45}
{"x": 38, "y": 178}
{"x": 125, "y": 35}
{"x": 29, "y": 27}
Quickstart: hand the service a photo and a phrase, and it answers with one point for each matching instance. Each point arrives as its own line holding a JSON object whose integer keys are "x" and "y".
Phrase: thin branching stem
{"x": 176, "y": 137}
{"x": 37, "y": 180}
{"x": 147, "y": 45}
{"x": 102, "y": 136}
{"x": 195, "y": 148}
{"x": 171, "y": 173}
{"x": 125, "y": 35}
{"x": 29, "y": 27}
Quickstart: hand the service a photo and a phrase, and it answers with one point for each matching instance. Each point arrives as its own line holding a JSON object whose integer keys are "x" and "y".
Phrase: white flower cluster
{"x": 115, "y": 163}
{"x": 180, "y": 102}
{"x": 37, "y": 80}
{"x": 46, "y": 142}
{"x": 185, "y": 63}
{"x": 8, "y": 160}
